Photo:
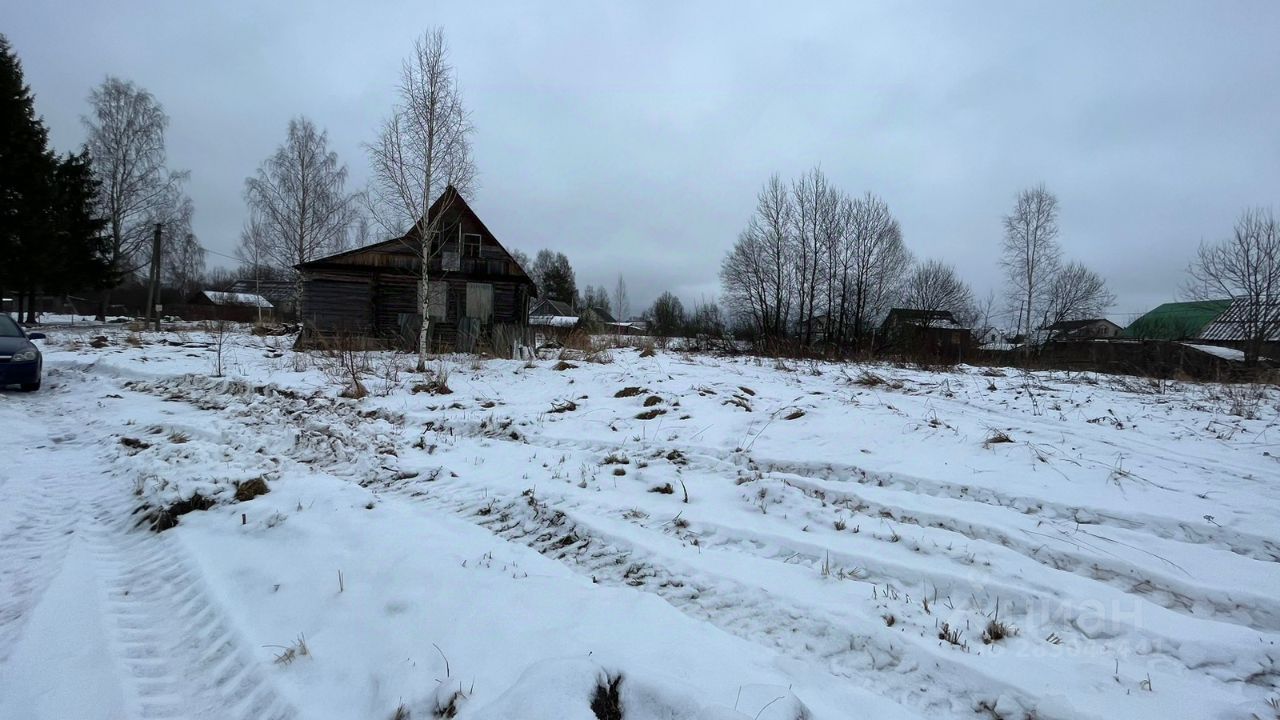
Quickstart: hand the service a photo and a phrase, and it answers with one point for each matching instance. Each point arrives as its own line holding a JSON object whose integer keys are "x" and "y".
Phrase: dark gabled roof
{"x": 1243, "y": 318}
{"x": 554, "y": 308}
{"x": 926, "y": 318}
{"x": 1069, "y": 325}
{"x": 407, "y": 240}
{"x": 601, "y": 314}
{"x": 1176, "y": 321}
{"x": 273, "y": 290}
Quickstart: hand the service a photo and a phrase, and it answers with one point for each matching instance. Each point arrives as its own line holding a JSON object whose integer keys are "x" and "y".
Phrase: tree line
{"x": 814, "y": 263}
{"x": 51, "y": 236}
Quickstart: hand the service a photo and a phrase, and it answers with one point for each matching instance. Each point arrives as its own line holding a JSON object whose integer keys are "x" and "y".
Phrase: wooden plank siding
{"x": 373, "y": 291}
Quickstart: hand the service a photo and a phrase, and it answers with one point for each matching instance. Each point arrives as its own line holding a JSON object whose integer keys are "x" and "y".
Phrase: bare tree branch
{"x": 422, "y": 149}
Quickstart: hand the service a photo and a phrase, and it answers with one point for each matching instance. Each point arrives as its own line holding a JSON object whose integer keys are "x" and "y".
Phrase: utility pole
{"x": 153, "y": 284}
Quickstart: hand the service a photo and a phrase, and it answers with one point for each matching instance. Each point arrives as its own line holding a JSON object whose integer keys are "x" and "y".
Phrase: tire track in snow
{"x": 335, "y": 433}
{"x": 182, "y": 656}
{"x": 1255, "y": 612}
{"x": 32, "y": 547}
{"x": 856, "y": 649}
{"x": 179, "y": 656}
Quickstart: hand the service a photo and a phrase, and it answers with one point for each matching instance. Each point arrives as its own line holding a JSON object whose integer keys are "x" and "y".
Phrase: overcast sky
{"x": 635, "y": 137}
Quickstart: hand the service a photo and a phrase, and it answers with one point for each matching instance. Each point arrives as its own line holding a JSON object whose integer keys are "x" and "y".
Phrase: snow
{"x": 1225, "y": 353}
{"x": 503, "y": 546}
{"x": 553, "y": 320}
{"x": 218, "y": 297}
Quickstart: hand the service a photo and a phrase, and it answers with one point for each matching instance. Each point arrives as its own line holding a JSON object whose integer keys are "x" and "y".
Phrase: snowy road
{"x": 98, "y": 620}
{"x": 770, "y": 543}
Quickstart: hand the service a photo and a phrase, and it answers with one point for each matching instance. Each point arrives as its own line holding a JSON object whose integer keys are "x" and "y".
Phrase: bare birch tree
{"x": 1030, "y": 254}
{"x": 298, "y": 200}
{"x": 621, "y": 303}
{"x": 1076, "y": 293}
{"x": 815, "y": 204}
{"x": 422, "y": 149}
{"x": 1246, "y": 268}
{"x": 878, "y": 263}
{"x": 182, "y": 259}
{"x": 757, "y": 274}
{"x": 126, "y": 129}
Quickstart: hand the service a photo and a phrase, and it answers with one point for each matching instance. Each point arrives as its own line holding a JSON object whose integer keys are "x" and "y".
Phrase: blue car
{"x": 20, "y": 361}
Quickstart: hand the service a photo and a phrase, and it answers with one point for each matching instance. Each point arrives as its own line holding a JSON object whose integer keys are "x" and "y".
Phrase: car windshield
{"x": 9, "y": 328}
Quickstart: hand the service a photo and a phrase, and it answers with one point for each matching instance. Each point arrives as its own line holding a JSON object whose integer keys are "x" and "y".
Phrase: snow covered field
{"x": 729, "y": 537}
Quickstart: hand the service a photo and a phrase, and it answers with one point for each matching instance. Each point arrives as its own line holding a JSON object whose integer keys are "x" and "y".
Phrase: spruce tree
{"x": 25, "y": 172}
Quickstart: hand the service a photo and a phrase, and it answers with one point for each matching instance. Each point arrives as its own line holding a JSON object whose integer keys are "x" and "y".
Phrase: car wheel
{"x": 31, "y": 387}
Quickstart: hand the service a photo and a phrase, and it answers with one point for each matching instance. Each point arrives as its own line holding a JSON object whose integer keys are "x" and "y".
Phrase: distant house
{"x": 596, "y": 316}
{"x": 545, "y": 312}
{"x": 478, "y": 294}
{"x": 1176, "y": 321}
{"x": 1083, "y": 329}
{"x": 551, "y": 321}
{"x": 924, "y": 333}
{"x": 282, "y": 294}
{"x": 1248, "y": 326}
{"x": 230, "y": 306}
{"x": 818, "y": 329}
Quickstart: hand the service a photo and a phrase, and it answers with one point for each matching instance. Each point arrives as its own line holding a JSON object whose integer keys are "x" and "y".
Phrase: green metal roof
{"x": 1176, "y": 321}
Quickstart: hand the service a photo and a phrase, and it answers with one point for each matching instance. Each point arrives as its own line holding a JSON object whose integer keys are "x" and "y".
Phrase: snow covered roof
{"x": 231, "y": 298}
{"x": 1225, "y": 353}
{"x": 553, "y": 320}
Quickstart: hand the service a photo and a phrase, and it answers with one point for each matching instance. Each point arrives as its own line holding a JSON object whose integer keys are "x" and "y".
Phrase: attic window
{"x": 471, "y": 245}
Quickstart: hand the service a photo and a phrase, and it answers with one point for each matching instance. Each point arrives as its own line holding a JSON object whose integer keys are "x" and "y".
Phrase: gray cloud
{"x": 634, "y": 138}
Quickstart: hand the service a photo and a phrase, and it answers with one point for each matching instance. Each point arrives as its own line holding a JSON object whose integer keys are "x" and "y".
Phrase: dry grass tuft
{"x": 606, "y": 704}
{"x": 629, "y": 391}
{"x": 251, "y": 489}
{"x": 997, "y": 631}
{"x": 293, "y": 651}
{"x": 563, "y": 407}
{"x": 652, "y": 400}
{"x": 651, "y": 414}
{"x": 995, "y": 437}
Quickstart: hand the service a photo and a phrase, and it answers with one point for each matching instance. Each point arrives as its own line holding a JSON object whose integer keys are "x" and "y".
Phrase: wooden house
{"x": 932, "y": 334}
{"x": 1088, "y": 329}
{"x": 479, "y": 295}
{"x": 229, "y": 306}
